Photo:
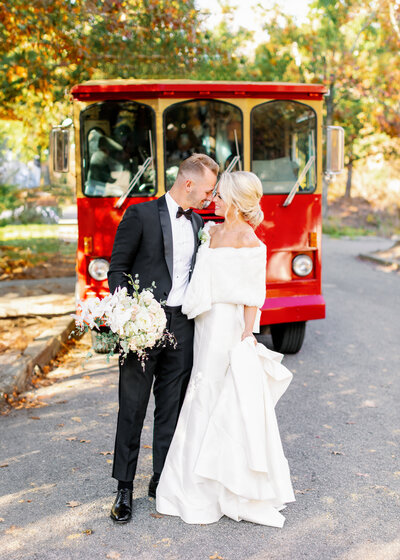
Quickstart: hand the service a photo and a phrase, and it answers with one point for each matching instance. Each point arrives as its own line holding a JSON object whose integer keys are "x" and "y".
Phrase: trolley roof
{"x": 143, "y": 89}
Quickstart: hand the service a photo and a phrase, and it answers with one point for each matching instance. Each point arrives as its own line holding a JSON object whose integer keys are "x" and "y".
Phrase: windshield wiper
{"x": 293, "y": 191}
{"x": 139, "y": 173}
{"x": 134, "y": 182}
{"x": 235, "y": 160}
{"x": 232, "y": 164}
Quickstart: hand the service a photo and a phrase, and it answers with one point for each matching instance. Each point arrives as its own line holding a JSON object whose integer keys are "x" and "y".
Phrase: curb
{"x": 379, "y": 260}
{"x": 16, "y": 369}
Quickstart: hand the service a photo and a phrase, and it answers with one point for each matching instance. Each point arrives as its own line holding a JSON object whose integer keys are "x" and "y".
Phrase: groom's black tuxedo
{"x": 144, "y": 245}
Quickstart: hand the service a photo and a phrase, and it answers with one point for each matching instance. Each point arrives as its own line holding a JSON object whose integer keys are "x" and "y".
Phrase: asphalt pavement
{"x": 340, "y": 427}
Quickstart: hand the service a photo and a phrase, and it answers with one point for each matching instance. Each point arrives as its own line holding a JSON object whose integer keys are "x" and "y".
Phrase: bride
{"x": 226, "y": 456}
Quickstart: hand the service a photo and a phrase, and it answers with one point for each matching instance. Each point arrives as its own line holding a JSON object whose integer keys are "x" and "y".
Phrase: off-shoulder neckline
{"x": 237, "y": 248}
{"x": 211, "y": 224}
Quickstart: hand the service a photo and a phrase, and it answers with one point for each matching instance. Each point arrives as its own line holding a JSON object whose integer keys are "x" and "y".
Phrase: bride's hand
{"x": 250, "y": 334}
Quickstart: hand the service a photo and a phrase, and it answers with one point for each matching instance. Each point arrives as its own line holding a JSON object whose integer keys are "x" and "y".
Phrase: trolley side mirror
{"x": 334, "y": 150}
{"x": 59, "y": 146}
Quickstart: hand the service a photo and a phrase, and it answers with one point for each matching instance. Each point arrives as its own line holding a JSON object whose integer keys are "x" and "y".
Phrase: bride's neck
{"x": 233, "y": 223}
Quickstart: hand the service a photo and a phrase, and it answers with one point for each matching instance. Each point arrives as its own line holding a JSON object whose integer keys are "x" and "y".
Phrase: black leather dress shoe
{"x": 153, "y": 485}
{"x": 121, "y": 510}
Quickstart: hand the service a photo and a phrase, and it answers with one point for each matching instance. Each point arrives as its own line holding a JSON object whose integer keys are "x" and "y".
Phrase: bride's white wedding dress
{"x": 226, "y": 456}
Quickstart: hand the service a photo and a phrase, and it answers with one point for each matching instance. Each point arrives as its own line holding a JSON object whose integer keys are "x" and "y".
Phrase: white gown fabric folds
{"x": 226, "y": 456}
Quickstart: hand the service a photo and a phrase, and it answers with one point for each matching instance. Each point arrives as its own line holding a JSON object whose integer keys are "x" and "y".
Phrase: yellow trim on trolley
{"x": 159, "y": 105}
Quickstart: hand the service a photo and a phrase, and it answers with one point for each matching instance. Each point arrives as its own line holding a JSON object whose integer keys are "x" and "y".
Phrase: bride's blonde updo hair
{"x": 242, "y": 191}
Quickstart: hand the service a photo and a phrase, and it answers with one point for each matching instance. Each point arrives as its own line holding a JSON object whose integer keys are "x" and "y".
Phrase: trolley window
{"x": 206, "y": 126}
{"x": 118, "y": 138}
{"x": 283, "y": 141}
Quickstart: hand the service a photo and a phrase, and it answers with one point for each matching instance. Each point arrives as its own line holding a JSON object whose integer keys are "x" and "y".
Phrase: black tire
{"x": 288, "y": 337}
{"x": 98, "y": 345}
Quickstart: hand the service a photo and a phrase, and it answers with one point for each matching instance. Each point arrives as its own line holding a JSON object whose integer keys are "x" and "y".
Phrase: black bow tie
{"x": 187, "y": 213}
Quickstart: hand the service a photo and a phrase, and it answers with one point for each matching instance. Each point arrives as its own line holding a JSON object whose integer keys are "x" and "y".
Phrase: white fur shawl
{"x": 226, "y": 275}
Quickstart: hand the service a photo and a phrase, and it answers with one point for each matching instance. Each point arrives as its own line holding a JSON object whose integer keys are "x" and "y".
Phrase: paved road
{"x": 340, "y": 425}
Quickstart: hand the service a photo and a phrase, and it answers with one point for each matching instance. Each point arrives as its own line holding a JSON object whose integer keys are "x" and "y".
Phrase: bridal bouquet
{"x": 136, "y": 322}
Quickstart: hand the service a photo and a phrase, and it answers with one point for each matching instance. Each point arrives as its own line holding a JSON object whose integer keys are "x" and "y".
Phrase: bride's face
{"x": 219, "y": 205}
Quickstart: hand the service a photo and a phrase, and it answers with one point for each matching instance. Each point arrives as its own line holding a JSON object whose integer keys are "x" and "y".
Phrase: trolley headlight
{"x": 302, "y": 265}
{"x": 98, "y": 269}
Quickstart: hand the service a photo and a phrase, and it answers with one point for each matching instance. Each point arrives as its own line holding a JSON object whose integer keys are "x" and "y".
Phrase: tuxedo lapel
{"x": 167, "y": 233}
{"x": 196, "y": 225}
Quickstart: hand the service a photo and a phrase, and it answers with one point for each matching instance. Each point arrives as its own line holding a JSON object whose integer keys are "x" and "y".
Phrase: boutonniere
{"x": 203, "y": 236}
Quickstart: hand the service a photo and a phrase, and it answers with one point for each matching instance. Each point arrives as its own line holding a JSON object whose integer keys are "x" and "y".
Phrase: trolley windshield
{"x": 283, "y": 141}
{"x": 117, "y": 139}
{"x": 206, "y": 126}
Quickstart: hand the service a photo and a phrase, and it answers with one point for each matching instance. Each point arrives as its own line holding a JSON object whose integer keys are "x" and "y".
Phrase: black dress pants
{"x": 170, "y": 367}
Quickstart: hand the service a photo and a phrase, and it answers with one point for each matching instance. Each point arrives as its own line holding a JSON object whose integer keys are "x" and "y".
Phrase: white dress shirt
{"x": 183, "y": 247}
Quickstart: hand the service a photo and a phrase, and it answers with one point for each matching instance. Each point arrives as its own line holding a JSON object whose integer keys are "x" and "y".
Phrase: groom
{"x": 158, "y": 241}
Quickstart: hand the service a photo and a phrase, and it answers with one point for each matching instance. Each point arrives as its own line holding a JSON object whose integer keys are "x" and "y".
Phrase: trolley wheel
{"x": 288, "y": 337}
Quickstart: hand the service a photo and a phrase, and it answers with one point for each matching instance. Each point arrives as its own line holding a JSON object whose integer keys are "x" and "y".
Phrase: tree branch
{"x": 364, "y": 27}
{"x": 393, "y": 21}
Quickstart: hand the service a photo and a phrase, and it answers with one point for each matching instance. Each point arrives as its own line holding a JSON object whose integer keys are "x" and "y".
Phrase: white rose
{"x": 154, "y": 306}
{"x": 146, "y": 297}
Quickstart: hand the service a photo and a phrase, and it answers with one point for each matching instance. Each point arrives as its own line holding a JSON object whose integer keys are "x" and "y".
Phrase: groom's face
{"x": 200, "y": 188}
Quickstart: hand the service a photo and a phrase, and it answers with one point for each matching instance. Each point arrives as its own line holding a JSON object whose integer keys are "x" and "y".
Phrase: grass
{"x": 28, "y": 232}
{"x": 338, "y": 230}
{"x": 35, "y": 243}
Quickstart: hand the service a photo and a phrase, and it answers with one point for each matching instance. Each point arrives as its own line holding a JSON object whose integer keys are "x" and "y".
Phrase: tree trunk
{"x": 347, "y": 194}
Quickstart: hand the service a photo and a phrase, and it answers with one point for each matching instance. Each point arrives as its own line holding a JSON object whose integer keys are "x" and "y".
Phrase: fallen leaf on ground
{"x": 216, "y": 557}
{"x": 76, "y": 419}
{"x": 71, "y": 438}
{"x": 74, "y": 536}
{"x": 1, "y": 519}
{"x": 87, "y": 532}
{"x": 60, "y": 425}
{"x": 369, "y": 404}
{"x": 86, "y": 377}
{"x": 113, "y": 555}
{"x": 84, "y": 441}
{"x": 302, "y": 491}
{"x": 106, "y": 452}
{"x": 73, "y": 504}
{"x": 147, "y": 446}
{"x": 156, "y": 515}
{"x": 336, "y": 453}
{"x": 12, "y": 528}
{"x": 109, "y": 461}
{"x": 362, "y": 474}
{"x": 34, "y": 417}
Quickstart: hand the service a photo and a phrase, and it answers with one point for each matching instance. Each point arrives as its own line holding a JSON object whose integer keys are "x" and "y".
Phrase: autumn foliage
{"x": 351, "y": 46}
{"x": 46, "y": 46}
